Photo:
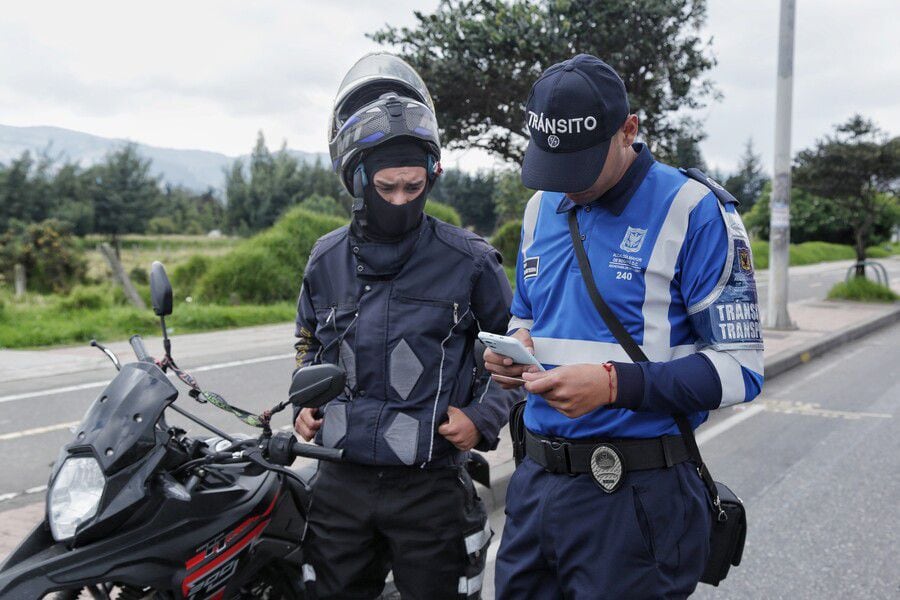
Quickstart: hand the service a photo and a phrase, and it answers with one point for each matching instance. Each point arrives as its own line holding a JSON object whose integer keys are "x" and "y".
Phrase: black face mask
{"x": 386, "y": 221}
{"x": 383, "y": 221}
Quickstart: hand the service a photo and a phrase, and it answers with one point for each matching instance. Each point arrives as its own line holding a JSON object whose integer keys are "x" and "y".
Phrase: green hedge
{"x": 506, "y": 240}
{"x": 863, "y": 290}
{"x": 445, "y": 213}
{"x": 269, "y": 266}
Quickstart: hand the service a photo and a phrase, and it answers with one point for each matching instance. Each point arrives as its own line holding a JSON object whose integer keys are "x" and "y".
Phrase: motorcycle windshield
{"x": 119, "y": 426}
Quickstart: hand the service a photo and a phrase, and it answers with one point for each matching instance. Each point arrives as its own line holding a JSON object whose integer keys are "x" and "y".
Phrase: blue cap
{"x": 574, "y": 110}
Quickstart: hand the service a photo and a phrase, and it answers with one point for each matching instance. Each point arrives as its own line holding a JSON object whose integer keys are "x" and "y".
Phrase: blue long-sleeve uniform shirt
{"x": 671, "y": 257}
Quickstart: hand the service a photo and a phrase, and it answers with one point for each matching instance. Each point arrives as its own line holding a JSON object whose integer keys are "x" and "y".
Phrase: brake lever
{"x": 255, "y": 456}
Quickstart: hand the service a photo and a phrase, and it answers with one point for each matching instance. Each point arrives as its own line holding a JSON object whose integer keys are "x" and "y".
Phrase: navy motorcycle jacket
{"x": 401, "y": 319}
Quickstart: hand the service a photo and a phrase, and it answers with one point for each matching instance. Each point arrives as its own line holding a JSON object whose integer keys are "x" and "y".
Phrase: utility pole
{"x": 780, "y": 219}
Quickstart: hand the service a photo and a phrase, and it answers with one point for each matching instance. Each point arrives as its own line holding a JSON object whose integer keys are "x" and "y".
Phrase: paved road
{"x": 817, "y": 470}
{"x": 33, "y": 428}
{"x": 812, "y": 282}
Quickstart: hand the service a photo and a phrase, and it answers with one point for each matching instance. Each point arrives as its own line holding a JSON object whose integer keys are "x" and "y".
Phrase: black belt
{"x": 574, "y": 456}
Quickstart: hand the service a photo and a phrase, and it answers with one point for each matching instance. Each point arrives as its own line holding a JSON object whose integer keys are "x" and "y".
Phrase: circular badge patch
{"x": 607, "y": 468}
{"x": 552, "y": 141}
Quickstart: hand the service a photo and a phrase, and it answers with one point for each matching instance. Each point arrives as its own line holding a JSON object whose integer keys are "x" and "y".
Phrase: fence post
{"x": 121, "y": 276}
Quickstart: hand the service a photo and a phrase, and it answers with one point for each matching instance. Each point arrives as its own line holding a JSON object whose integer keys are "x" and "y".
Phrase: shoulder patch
{"x": 717, "y": 188}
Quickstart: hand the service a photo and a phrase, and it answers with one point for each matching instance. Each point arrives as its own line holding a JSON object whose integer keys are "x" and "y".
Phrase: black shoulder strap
{"x": 633, "y": 350}
{"x": 715, "y": 187}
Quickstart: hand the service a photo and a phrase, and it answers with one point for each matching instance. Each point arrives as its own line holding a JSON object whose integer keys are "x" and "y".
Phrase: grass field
{"x": 142, "y": 250}
{"x": 100, "y": 312}
{"x": 862, "y": 290}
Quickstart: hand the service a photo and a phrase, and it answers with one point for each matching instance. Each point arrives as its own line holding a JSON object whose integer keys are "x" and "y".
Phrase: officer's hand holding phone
{"x": 502, "y": 368}
{"x": 574, "y": 390}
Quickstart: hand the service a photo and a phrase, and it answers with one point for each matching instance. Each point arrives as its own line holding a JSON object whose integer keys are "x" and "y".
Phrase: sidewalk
{"x": 821, "y": 326}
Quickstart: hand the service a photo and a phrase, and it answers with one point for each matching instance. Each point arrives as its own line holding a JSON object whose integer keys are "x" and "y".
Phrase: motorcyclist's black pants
{"x": 429, "y": 526}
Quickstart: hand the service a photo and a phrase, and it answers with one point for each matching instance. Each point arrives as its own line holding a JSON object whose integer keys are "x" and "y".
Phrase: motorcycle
{"x": 137, "y": 509}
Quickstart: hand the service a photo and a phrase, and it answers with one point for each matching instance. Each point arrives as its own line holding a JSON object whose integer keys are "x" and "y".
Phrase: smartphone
{"x": 510, "y": 347}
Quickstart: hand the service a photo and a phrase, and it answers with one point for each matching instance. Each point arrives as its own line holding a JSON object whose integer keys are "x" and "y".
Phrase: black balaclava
{"x": 386, "y": 222}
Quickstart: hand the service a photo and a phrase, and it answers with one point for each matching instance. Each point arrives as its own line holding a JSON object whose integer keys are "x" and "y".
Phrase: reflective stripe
{"x": 559, "y": 351}
{"x": 661, "y": 270}
{"x": 529, "y": 220}
{"x": 726, "y": 271}
{"x": 309, "y": 574}
{"x": 472, "y": 585}
{"x": 730, "y": 376}
{"x": 517, "y": 323}
{"x": 478, "y": 540}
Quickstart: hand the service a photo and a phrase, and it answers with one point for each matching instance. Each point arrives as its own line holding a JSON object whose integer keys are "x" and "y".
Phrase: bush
{"x": 47, "y": 250}
{"x": 85, "y": 298}
{"x": 506, "y": 240}
{"x": 269, "y": 266}
{"x": 325, "y": 205}
{"x": 862, "y": 290}
{"x": 443, "y": 212}
{"x": 161, "y": 225}
{"x": 187, "y": 274}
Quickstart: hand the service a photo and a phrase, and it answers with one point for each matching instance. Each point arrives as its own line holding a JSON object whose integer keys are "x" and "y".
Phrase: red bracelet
{"x": 609, "y": 368}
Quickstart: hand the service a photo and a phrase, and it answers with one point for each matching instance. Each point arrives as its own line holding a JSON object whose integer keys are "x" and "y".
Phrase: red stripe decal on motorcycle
{"x": 193, "y": 577}
{"x": 204, "y": 554}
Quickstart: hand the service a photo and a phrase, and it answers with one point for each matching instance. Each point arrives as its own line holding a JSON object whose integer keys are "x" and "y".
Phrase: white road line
{"x": 99, "y": 384}
{"x": 37, "y": 431}
{"x": 713, "y": 431}
{"x": 35, "y": 490}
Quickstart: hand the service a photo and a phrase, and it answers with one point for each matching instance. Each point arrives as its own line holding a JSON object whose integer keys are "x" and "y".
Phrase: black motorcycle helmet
{"x": 381, "y": 99}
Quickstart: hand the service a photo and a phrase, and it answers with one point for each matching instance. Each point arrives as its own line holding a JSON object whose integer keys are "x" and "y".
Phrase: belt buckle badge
{"x": 607, "y": 468}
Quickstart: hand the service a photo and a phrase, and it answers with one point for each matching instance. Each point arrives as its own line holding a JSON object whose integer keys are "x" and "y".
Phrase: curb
{"x": 787, "y": 360}
{"x": 494, "y": 498}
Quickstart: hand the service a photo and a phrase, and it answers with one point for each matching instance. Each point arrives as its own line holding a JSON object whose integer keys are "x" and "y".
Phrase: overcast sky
{"x": 210, "y": 74}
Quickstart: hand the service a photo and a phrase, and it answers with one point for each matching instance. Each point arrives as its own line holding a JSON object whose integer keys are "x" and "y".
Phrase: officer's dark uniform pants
{"x": 566, "y": 538}
{"x": 366, "y": 520}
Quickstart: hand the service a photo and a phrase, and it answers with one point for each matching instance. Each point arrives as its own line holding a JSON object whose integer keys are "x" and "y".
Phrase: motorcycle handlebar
{"x": 316, "y": 452}
{"x": 137, "y": 344}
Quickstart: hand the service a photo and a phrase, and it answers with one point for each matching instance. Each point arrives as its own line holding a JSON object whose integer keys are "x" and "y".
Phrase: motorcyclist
{"x": 397, "y": 298}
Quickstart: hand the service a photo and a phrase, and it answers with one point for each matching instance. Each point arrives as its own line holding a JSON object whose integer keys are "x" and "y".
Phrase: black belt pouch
{"x": 726, "y": 540}
{"x": 517, "y": 430}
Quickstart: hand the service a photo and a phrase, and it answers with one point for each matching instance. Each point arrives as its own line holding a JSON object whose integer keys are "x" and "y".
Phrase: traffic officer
{"x": 397, "y": 298}
{"x": 672, "y": 260}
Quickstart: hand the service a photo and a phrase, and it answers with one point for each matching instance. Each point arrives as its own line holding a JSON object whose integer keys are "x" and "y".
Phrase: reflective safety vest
{"x": 673, "y": 262}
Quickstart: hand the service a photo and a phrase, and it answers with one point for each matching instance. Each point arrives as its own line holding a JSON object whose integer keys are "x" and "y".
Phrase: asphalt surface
{"x": 32, "y": 429}
{"x": 819, "y": 482}
{"x": 817, "y": 471}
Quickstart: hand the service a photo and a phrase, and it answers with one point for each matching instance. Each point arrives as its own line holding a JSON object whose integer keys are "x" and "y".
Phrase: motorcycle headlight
{"x": 74, "y": 495}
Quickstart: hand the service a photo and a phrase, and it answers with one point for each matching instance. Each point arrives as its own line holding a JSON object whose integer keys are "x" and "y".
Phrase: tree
{"x": 24, "y": 190}
{"x": 510, "y": 196}
{"x": 261, "y": 191}
{"x": 852, "y": 169}
{"x": 470, "y": 195}
{"x": 747, "y": 184}
{"x": 480, "y": 58}
{"x": 125, "y": 195}
{"x": 685, "y": 152}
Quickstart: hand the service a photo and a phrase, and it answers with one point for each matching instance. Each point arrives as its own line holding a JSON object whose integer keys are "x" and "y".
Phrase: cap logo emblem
{"x": 552, "y": 141}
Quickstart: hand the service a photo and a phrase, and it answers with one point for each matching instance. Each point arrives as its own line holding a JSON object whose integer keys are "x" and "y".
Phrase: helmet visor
{"x": 374, "y": 75}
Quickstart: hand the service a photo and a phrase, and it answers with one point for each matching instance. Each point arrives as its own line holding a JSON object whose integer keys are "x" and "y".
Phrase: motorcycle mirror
{"x": 315, "y": 385}
{"x": 160, "y": 290}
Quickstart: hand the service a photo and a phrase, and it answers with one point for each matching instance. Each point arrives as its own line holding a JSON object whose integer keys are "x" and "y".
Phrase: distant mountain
{"x": 194, "y": 169}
